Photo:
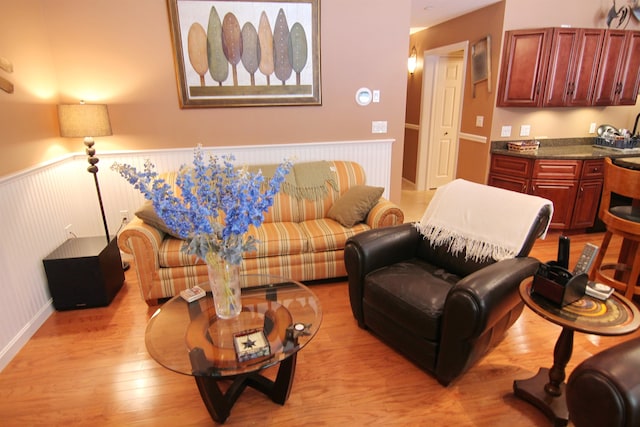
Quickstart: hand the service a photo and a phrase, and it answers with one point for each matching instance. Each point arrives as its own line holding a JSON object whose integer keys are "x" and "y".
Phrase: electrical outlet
{"x": 506, "y": 131}
{"x": 124, "y": 216}
{"x": 68, "y": 230}
{"x": 525, "y": 130}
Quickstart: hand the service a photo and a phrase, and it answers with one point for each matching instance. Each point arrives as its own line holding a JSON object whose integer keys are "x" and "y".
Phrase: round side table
{"x": 615, "y": 316}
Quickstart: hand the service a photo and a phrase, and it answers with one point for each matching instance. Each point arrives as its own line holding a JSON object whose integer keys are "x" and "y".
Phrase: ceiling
{"x": 427, "y": 13}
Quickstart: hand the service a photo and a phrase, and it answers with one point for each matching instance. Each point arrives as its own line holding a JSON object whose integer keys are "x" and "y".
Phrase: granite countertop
{"x": 568, "y": 148}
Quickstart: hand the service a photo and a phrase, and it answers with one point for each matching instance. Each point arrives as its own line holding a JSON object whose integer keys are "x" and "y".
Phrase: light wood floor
{"x": 90, "y": 368}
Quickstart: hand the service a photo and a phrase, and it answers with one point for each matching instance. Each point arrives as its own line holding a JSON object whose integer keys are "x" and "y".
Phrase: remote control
{"x": 586, "y": 259}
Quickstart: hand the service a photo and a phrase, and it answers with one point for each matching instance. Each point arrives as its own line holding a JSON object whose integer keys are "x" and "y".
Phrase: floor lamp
{"x": 87, "y": 120}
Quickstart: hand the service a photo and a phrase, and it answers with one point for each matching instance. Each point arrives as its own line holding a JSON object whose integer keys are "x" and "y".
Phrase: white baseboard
{"x": 18, "y": 341}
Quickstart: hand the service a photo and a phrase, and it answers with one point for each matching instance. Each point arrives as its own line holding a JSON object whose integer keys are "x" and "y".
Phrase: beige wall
{"x": 119, "y": 52}
{"x": 472, "y": 156}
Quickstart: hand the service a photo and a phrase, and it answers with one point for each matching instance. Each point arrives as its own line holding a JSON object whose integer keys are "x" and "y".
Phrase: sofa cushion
{"x": 329, "y": 235}
{"x": 354, "y": 205}
{"x": 278, "y": 238}
{"x": 412, "y": 294}
{"x": 148, "y": 214}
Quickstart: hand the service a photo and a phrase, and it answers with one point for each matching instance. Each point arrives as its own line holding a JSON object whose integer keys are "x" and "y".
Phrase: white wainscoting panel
{"x": 39, "y": 202}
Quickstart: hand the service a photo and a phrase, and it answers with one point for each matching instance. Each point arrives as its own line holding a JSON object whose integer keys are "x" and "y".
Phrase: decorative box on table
{"x": 558, "y": 285}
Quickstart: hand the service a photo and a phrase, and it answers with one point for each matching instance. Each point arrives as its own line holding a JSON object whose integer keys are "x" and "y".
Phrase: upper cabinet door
{"x": 630, "y": 78}
{"x": 524, "y": 65}
{"x": 573, "y": 67}
{"x": 619, "y": 73}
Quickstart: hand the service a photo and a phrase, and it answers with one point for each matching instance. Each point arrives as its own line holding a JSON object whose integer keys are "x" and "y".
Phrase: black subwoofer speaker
{"x": 84, "y": 272}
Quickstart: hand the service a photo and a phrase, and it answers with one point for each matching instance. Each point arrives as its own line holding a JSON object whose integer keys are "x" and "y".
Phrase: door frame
{"x": 430, "y": 60}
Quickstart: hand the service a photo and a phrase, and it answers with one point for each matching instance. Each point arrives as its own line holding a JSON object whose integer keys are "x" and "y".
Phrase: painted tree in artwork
{"x": 218, "y": 65}
{"x": 197, "y": 49}
{"x": 265, "y": 38}
{"x": 250, "y": 50}
{"x": 232, "y": 43}
{"x": 281, "y": 59}
{"x": 298, "y": 49}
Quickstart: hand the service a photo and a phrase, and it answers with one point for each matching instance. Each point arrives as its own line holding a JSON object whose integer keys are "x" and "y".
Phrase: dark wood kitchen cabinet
{"x": 588, "y": 195}
{"x": 524, "y": 64}
{"x": 573, "y": 67}
{"x": 569, "y": 67}
{"x": 619, "y": 69}
{"x": 574, "y": 186}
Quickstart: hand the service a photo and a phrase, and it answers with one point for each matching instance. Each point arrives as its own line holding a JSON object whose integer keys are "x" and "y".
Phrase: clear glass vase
{"x": 224, "y": 279}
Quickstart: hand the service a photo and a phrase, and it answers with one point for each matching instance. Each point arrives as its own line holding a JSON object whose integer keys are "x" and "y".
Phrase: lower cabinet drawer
{"x": 557, "y": 169}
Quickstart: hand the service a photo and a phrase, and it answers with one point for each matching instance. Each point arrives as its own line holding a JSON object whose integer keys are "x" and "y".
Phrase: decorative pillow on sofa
{"x": 354, "y": 205}
{"x": 149, "y": 216}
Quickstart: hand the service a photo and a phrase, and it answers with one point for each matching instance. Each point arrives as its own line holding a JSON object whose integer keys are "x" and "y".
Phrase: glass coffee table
{"x": 188, "y": 338}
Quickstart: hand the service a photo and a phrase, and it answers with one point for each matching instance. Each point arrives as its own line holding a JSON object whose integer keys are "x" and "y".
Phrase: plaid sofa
{"x": 297, "y": 240}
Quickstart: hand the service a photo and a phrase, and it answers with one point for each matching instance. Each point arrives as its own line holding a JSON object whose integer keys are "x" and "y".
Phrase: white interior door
{"x": 443, "y": 145}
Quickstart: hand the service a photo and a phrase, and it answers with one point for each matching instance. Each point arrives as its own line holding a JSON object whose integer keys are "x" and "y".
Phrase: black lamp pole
{"x": 94, "y": 170}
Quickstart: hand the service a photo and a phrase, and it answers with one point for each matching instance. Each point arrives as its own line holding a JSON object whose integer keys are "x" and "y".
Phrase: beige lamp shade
{"x": 83, "y": 120}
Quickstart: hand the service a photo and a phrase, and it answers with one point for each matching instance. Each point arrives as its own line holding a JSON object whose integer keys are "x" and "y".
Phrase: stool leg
{"x": 634, "y": 262}
{"x": 600, "y": 256}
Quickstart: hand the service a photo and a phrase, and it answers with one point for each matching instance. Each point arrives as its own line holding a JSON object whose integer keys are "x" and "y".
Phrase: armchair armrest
{"x": 477, "y": 312}
{"x": 142, "y": 241}
{"x": 372, "y": 250}
{"x": 384, "y": 214}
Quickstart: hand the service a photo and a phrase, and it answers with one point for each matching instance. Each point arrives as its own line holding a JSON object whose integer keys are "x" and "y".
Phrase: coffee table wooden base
{"x": 533, "y": 391}
{"x": 219, "y": 404}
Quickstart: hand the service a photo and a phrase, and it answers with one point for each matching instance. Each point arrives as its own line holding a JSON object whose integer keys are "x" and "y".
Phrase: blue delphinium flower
{"x": 216, "y": 205}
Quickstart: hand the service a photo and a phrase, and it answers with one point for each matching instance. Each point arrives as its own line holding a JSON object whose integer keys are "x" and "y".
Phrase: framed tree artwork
{"x": 246, "y": 53}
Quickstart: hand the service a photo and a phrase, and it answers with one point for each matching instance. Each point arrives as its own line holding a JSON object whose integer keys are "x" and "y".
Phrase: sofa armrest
{"x": 143, "y": 241}
{"x": 374, "y": 249}
{"x": 385, "y": 214}
{"x": 478, "y": 303}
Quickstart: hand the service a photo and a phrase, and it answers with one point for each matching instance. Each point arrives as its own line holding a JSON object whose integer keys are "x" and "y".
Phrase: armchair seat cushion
{"x": 412, "y": 294}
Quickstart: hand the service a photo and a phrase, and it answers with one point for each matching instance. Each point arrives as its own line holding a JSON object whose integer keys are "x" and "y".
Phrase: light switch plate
{"x": 479, "y": 121}
{"x": 379, "y": 126}
{"x": 506, "y": 131}
{"x": 525, "y": 130}
{"x": 376, "y": 95}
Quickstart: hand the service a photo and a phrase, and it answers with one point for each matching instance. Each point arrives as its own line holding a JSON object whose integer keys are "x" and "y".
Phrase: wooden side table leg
{"x": 546, "y": 389}
{"x": 561, "y": 356}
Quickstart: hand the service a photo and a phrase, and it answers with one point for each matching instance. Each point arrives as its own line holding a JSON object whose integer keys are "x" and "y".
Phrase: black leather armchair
{"x": 604, "y": 390}
{"x": 441, "y": 311}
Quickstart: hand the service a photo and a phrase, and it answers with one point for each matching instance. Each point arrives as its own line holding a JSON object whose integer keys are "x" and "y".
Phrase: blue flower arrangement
{"x": 217, "y": 203}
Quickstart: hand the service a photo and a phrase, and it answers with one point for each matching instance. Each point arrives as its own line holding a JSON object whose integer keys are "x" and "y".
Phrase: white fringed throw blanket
{"x": 488, "y": 222}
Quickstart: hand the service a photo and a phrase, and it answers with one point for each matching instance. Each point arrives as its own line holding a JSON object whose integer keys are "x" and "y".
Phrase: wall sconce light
{"x": 412, "y": 62}
{"x": 87, "y": 120}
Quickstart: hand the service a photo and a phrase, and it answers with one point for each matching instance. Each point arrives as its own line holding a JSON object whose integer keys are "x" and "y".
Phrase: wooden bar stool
{"x": 623, "y": 221}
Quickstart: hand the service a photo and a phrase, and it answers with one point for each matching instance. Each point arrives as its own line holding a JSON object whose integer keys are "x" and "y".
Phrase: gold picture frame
{"x": 231, "y": 53}
{"x": 481, "y": 63}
